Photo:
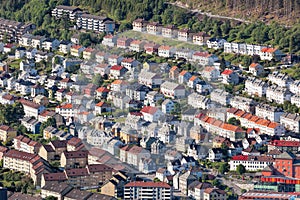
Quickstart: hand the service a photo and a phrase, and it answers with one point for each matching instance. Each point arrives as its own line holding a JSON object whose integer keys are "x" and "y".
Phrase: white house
{"x": 251, "y": 163}
{"x": 151, "y": 114}
{"x": 172, "y": 90}
{"x": 199, "y": 101}
{"x": 256, "y": 69}
{"x": 230, "y": 77}
{"x": 166, "y": 51}
{"x": 256, "y": 87}
{"x": 210, "y": 73}
{"x": 215, "y": 43}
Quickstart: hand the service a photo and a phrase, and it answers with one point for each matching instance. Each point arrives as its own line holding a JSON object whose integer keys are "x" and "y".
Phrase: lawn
{"x": 160, "y": 40}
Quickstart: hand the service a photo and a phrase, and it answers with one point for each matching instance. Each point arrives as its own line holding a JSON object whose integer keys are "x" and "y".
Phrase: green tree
{"x": 224, "y": 167}
{"x": 97, "y": 80}
{"x": 240, "y": 169}
{"x": 234, "y": 121}
{"x": 51, "y": 198}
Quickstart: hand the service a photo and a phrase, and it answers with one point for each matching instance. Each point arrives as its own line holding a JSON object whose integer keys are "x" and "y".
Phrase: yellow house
{"x": 129, "y": 135}
{"x": 114, "y": 186}
{"x": 7, "y": 133}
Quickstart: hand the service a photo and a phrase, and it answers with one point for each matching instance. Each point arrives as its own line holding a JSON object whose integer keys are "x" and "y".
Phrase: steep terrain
{"x": 282, "y": 11}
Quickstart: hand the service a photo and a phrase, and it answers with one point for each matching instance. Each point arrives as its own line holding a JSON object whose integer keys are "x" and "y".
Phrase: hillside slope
{"x": 282, "y": 11}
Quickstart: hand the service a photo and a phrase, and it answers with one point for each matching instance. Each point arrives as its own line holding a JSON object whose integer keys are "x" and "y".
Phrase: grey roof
{"x": 286, "y": 155}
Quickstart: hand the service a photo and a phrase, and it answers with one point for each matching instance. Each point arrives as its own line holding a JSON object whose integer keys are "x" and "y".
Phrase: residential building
{"x": 151, "y": 114}
{"x": 167, "y": 106}
{"x": 291, "y": 122}
{"x": 199, "y": 101}
{"x": 139, "y": 25}
{"x": 214, "y": 194}
{"x": 215, "y": 43}
{"x": 143, "y": 190}
{"x": 25, "y": 144}
{"x": 64, "y": 46}
{"x": 184, "y": 76}
{"x": 151, "y": 48}
{"x": 204, "y": 58}
{"x": 32, "y": 125}
{"x": 256, "y": 87}
{"x": 14, "y": 30}
{"x": 124, "y": 42}
{"x": 230, "y": 77}
{"x": 184, "y": 35}
{"x": 110, "y": 40}
{"x": 220, "y": 96}
{"x": 248, "y": 120}
{"x": 200, "y": 38}
{"x": 117, "y": 71}
{"x": 31, "y": 109}
{"x": 172, "y": 90}
{"x": 251, "y": 163}
{"x": 169, "y": 31}
{"x": 56, "y": 190}
{"x": 210, "y": 73}
{"x": 150, "y": 79}
{"x": 76, "y": 50}
{"x": 166, "y": 51}
{"x": 280, "y": 79}
{"x": 154, "y": 28}
{"x": 295, "y": 99}
{"x": 243, "y": 103}
{"x": 174, "y": 73}
{"x": 7, "y": 133}
{"x": 66, "y": 11}
{"x": 256, "y": 69}
{"x": 269, "y": 112}
{"x": 95, "y": 23}
{"x": 137, "y": 45}
{"x": 295, "y": 87}
{"x": 74, "y": 159}
{"x": 278, "y": 94}
{"x": 271, "y": 53}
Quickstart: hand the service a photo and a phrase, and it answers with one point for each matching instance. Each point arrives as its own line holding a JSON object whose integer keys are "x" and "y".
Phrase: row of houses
{"x": 202, "y": 38}
{"x": 203, "y": 58}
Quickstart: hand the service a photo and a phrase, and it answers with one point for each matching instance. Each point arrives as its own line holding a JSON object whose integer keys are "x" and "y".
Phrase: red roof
{"x": 102, "y": 89}
{"x": 202, "y": 54}
{"x": 149, "y": 109}
{"x": 66, "y": 106}
{"x": 148, "y": 184}
{"x": 117, "y": 67}
{"x": 227, "y": 72}
{"x": 268, "y": 50}
{"x": 284, "y": 143}
{"x": 253, "y": 65}
{"x": 239, "y": 157}
{"x": 77, "y": 47}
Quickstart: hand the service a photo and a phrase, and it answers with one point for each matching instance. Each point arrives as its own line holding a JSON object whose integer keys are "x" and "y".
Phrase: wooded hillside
{"x": 286, "y": 10}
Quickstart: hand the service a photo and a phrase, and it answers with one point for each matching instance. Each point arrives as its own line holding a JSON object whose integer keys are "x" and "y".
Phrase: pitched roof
{"x": 76, "y": 154}
{"x": 286, "y": 155}
{"x": 149, "y": 109}
{"x": 148, "y": 184}
{"x": 227, "y": 72}
{"x": 117, "y": 67}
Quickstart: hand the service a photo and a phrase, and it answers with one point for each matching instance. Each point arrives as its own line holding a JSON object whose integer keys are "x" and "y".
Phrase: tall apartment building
{"x": 66, "y": 11}
{"x": 95, "y": 23}
{"x": 147, "y": 190}
{"x": 12, "y": 30}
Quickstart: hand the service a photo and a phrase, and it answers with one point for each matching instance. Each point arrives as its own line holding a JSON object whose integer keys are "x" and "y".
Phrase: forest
{"x": 287, "y": 11}
{"x": 125, "y": 11}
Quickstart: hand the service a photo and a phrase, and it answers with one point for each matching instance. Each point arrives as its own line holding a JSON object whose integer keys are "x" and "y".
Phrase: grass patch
{"x": 161, "y": 40}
